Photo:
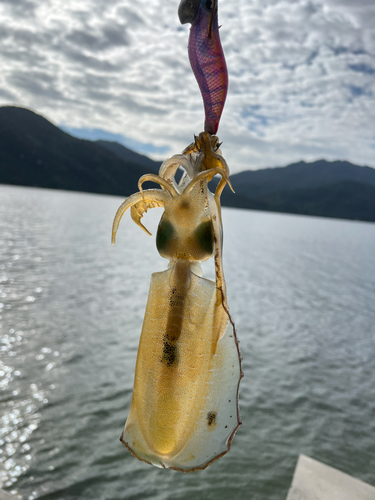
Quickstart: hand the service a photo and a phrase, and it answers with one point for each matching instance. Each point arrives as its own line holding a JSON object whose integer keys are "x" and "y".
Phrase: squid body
{"x": 184, "y": 410}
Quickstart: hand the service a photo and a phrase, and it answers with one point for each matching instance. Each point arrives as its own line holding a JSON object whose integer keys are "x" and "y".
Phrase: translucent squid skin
{"x": 184, "y": 410}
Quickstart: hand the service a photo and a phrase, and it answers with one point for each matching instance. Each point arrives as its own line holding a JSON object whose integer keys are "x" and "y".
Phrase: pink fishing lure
{"x": 206, "y": 57}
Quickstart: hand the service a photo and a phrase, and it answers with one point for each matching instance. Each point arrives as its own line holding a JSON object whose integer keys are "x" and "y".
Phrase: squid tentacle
{"x": 209, "y": 174}
{"x": 150, "y": 198}
{"x": 169, "y": 169}
{"x": 158, "y": 180}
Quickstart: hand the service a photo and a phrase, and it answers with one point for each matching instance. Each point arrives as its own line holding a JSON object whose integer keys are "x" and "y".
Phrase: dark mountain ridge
{"x": 34, "y": 152}
{"x": 301, "y": 175}
{"x": 328, "y": 189}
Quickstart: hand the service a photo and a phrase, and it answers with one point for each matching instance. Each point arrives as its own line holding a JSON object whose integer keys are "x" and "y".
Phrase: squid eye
{"x": 205, "y": 236}
{"x": 208, "y": 5}
{"x": 164, "y": 235}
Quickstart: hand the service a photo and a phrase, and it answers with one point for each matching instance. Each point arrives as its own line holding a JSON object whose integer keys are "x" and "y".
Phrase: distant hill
{"x": 342, "y": 200}
{"x": 329, "y": 189}
{"x": 302, "y": 175}
{"x": 33, "y": 152}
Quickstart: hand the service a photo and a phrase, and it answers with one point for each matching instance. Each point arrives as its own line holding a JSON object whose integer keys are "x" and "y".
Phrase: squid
{"x": 184, "y": 409}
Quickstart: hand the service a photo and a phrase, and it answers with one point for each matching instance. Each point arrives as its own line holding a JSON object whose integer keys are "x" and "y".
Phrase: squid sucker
{"x": 184, "y": 410}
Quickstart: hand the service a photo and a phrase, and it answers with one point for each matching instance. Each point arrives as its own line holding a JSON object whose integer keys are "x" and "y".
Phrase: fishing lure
{"x": 206, "y": 57}
{"x": 184, "y": 410}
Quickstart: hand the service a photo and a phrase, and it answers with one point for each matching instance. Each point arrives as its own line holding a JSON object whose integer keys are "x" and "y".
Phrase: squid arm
{"x": 139, "y": 204}
{"x": 169, "y": 169}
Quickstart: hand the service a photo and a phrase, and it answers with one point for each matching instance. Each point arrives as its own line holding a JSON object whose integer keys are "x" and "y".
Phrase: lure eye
{"x": 208, "y": 5}
{"x": 187, "y": 10}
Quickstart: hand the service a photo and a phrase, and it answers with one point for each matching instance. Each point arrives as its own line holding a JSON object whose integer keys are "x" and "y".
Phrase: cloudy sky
{"x": 302, "y": 75}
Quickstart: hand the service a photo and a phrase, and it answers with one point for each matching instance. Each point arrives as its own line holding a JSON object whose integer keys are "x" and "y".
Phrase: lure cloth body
{"x": 206, "y": 57}
{"x": 184, "y": 410}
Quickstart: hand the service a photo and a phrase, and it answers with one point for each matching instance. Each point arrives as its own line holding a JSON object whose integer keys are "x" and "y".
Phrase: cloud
{"x": 302, "y": 75}
{"x": 19, "y": 7}
{"x": 362, "y": 68}
{"x": 41, "y": 85}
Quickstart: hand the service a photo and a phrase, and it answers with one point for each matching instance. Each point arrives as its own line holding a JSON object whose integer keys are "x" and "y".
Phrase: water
{"x": 302, "y": 292}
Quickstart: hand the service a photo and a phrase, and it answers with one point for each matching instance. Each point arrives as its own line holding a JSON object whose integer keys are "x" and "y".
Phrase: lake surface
{"x": 302, "y": 293}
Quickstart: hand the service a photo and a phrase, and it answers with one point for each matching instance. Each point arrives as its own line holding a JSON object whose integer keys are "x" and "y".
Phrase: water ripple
{"x": 302, "y": 292}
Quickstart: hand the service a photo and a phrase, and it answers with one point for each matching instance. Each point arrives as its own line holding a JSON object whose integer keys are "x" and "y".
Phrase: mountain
{"x": 34, "y": 152}
{"x": 301, "y": 175}
{"x": 329, "y": 189}
{"x": 342, "y": 200}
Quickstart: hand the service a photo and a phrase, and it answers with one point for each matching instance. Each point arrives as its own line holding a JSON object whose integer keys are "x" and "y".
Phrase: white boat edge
{"x": 313, "y": 480}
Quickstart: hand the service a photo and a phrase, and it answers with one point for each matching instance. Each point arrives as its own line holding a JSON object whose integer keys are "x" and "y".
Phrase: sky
{"x": 301, "y": 75}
